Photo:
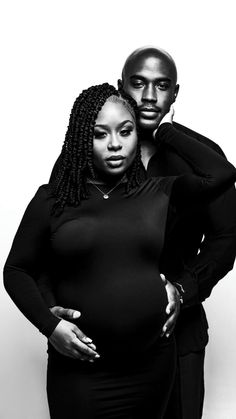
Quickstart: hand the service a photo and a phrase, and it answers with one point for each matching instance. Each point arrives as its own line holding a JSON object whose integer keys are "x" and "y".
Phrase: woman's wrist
{"x": 180, "y": 291}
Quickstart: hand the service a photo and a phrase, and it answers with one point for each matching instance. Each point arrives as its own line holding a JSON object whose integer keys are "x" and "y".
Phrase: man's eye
{"x": 99, "y": 135}
{"x": 126, "y": 132}
{"x": 137, "y": 83}
{"x": 163, "y": 86}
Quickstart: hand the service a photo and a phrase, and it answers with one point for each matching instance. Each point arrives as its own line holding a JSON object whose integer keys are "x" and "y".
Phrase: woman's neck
{"x": 103, "y": 179}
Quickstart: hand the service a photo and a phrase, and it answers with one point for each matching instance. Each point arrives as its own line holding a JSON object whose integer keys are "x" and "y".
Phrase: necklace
{"x": 105, "y": 194}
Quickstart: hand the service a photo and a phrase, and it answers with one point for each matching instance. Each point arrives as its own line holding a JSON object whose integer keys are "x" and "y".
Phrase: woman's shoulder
{"x": 163, "y": 183}
{"x": 43, "y": 197}
{"x": 44, "y": 191}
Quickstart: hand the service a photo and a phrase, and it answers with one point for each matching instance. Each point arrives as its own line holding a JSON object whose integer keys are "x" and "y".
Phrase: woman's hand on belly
{"x": 173, "y": 307}
{"x": 70, "y": 341}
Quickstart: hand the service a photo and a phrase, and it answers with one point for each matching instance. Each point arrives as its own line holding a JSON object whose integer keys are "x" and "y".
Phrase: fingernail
{"x": 167, "y": 335}
{"x": 97, "y": 356}
{"x": 91, "y": 360}
{"x": 88, "y": 340}
{"x": 92, "y": 346}
{"x": 76, "y": 314}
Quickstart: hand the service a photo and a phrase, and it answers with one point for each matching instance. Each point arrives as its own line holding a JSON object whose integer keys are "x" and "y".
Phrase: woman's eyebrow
{"x": 119, "y": 125}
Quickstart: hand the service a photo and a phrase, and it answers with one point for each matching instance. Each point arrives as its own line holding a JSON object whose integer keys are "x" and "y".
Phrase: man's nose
{"x": 114, "y": 143}
{"x": 150, "y": 93}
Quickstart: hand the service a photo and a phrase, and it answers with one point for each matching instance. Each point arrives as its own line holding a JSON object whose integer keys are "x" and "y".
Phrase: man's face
{"x": 151, "y": 81}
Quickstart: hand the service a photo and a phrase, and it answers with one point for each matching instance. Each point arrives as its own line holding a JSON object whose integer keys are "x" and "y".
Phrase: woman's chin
{"x": 114, "y": 171}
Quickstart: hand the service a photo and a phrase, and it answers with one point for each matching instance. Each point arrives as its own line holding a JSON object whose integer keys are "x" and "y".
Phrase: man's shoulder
{"x": 199, "y": 137}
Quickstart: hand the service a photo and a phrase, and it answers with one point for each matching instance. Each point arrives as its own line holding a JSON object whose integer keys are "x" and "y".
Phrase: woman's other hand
{"x": 173, "y": 307}
{"x": 168, "y": 117}
{"x": 70, "y": 341}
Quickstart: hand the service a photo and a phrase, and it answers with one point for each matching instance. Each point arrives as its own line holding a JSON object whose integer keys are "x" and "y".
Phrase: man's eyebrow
{"x": 119, "y": 125}
{"x": 139, "y": 77}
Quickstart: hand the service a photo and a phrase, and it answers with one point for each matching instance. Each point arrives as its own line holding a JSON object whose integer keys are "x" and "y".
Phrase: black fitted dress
{"x": 103, "y": 257}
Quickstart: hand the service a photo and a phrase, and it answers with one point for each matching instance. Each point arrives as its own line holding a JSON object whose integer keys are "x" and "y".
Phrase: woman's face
{"x": 115, "y": 139}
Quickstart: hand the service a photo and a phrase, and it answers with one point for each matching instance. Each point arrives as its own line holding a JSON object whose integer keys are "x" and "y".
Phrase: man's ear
{"x": 120, "y": 84}
{"x": 176, "y": 92}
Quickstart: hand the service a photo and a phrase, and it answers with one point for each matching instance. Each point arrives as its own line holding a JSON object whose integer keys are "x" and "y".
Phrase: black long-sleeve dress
{"x": 103, "y": 257}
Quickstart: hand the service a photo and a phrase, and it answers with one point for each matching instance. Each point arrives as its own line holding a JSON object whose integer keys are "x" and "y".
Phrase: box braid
{"x": 76, "y": 159}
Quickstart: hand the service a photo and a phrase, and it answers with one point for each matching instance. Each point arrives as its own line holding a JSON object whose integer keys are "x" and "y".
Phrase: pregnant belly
{"x": 121, "y": 314}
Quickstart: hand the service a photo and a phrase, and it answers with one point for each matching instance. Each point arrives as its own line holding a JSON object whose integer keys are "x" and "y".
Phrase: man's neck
{"x": 148, "y": 147}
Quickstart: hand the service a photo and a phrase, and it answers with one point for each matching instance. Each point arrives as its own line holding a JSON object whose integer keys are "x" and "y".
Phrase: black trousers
{"x": 186, "y": 400}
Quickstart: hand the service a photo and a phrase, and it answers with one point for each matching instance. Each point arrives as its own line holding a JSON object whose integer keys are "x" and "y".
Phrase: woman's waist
{"x": 119, "y": 315}
{"x": 114, "y": 297}
{"x": 122, "y": 355}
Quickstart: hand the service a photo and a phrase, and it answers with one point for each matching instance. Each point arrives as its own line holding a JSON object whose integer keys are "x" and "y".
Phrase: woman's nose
{"x": 114, "y": 143}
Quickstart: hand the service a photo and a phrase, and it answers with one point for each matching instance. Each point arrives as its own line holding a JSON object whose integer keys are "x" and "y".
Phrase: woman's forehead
{"x": 113, "y": 112}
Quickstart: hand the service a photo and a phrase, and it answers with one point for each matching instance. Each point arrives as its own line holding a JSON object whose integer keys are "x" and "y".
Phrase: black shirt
{"x": 105, "y": 257}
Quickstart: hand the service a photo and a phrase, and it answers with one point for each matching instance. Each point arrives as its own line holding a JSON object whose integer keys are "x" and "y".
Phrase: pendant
{"x": 105, "y": 196}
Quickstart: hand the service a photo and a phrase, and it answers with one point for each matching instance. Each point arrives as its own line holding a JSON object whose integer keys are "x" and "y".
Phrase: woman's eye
{"x": 99, "y": 135}
{"x": 126, "y": 132}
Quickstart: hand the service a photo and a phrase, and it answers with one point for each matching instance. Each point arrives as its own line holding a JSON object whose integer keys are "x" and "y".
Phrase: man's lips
{"x": 149, "y": 113}
{"x": 149, "y": 109}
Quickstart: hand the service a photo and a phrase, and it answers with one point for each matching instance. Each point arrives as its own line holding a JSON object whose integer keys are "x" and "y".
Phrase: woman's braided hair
{"x": 76, "y": 159}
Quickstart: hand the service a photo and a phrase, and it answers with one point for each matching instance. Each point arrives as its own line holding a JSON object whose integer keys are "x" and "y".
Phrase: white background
{"x": 51, "y": 50}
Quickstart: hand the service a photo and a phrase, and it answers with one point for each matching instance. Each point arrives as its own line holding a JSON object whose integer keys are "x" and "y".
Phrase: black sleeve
{"x": 27, "y": 258}
{"x": 199, "y": 137}
{"x": 44, "y": 281}
{"x": 46, "y": 288}
{"x": 212, "y": 176}
{"x": 218, "y": 250}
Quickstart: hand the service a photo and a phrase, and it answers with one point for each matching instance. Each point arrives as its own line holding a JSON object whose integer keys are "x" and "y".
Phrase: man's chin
{"x": 148, "y": 124}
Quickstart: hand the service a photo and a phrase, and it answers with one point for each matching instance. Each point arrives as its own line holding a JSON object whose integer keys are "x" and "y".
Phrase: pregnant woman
{"x": 98, "y": 230}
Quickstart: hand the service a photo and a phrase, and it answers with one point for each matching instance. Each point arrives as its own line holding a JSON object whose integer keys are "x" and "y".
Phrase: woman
{"x": 99, "y": 230}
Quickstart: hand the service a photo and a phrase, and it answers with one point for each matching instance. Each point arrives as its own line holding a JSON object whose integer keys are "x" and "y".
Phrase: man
{"x": 150, "y": 77}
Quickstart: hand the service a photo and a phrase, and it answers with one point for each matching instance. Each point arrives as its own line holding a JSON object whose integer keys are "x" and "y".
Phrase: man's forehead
{"x": 156, "y": 66}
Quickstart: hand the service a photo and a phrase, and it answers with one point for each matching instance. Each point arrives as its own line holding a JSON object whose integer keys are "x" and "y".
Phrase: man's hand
{"x": 173, "y": 307}
{"x": 65, "y": 313}
{"x": 70, "y": 341}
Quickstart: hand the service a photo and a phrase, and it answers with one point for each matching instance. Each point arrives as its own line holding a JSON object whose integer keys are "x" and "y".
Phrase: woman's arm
{"x": 27, "y": 257}
{"x": 212, "y": 173}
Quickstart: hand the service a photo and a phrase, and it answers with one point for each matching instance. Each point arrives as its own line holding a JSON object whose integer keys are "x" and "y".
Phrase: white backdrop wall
{"x": 51, "y": 50}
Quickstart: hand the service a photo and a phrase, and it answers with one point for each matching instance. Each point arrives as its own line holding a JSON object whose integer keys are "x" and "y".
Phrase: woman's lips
{"x": 115, "y": 161}
{"x": 118, "y": 157}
